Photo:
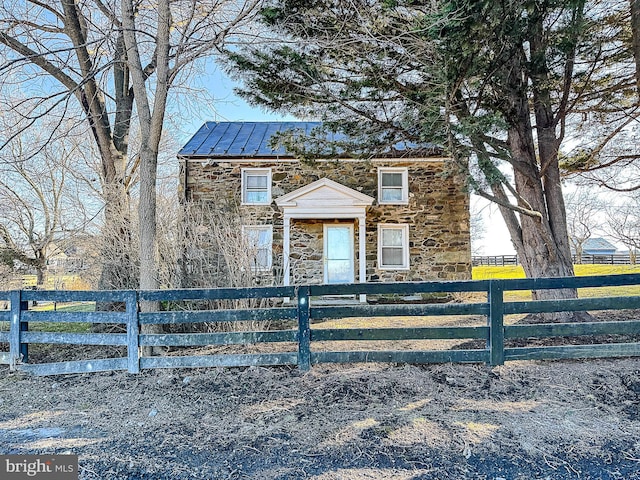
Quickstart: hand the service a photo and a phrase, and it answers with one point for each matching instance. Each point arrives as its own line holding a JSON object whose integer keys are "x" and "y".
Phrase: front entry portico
{"x": 326, "y": 199}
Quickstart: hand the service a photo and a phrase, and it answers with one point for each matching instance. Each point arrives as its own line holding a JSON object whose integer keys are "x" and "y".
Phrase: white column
{"x": 362, "y": 236}
{"x": 286, "y": 240}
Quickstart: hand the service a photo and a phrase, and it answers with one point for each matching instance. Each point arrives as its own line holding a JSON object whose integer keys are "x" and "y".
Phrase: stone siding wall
{"x": 437, "y": 214}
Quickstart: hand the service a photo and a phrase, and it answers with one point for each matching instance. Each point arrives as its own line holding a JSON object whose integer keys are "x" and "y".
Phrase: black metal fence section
{"x": 506, "y": 260}
{"x": 297, "y": 308}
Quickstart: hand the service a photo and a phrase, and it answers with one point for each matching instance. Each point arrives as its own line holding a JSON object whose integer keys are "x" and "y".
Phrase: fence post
{"x": 304, "y": 332}
{"x": 15, "y": 347}
{"x": 24, "y": 327}
{"x": 133, "y": 332}
{"x": 495, "y": 342}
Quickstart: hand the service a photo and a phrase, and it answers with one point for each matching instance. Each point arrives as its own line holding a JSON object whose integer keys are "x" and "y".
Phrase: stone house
{"x": 396, "y": 218}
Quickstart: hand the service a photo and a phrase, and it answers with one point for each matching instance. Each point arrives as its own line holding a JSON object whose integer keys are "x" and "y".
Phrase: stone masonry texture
{"x": 437, "y": 213}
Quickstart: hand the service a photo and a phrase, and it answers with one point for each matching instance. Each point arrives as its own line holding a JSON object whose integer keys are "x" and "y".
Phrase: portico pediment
{"x": 324, "y": 198}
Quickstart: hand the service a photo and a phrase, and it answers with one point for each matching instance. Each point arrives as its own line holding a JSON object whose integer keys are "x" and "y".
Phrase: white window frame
{"x": 404, "y": 228}
{"x": 255, "y": 172}
{"x": 269, "y": 246}
{"x": 404, "y": 188}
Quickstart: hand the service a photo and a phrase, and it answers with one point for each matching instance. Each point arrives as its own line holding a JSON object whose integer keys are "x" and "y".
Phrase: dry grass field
{"x": 522, "y": 421}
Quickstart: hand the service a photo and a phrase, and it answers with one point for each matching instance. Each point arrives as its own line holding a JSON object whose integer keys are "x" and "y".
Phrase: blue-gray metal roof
{"x": 247, "y": 139}
{"x": 598, "y": 245}
{"x": 240, "y": 139}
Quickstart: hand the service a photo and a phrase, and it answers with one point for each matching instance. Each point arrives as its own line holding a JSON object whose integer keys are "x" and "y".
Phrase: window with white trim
{"x": 259, "y": 241}
{"x": 393, "y": 246}
{"x": 256, "y": 186}
{"x": 393, "y": 185}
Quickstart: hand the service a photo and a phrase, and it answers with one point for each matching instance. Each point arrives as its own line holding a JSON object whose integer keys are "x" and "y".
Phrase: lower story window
{"x": 393, "y": 246}
{"x": 259, "y": 242}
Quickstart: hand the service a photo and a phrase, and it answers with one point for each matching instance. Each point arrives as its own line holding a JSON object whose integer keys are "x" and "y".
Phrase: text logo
{"x": 49, "y": 467}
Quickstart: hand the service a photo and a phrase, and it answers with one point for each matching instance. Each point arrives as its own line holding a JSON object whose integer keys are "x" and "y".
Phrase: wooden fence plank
{"x": 76, "y": 366}
{"x": 74, "y": 317}
{"x": 75, "y": 338}
{"x": 227, "y": 338}
{"x": 228, "y": 360}
{"x": 4, "y": 337}
{"x": 4, "y": 358}
{"x": 74, "y": 295}
{"x": 573, "y": 304}
{"x": 5, "y": 316}
{"x": 416, "y": 333}
{"x": 571, "y": 282}
{"x": 409, "y": 288}
{"x": 573, "y": 351}
{"x": 399, "y": 310}
{"x": 203, "y": 316}
{"x": 216, "y": 293}
{"x": 501, "y": 260}
{"x": 573, "y": 329}
{"x": 427, "y": 356}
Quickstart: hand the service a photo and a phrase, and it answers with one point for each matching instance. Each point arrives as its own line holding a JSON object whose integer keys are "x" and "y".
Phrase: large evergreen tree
{"x": 496, "y": 84}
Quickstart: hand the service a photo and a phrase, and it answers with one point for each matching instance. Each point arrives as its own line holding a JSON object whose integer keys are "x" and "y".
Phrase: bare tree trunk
{"x": 118, "y": 268}
{"x": 41, "y": 276}
{"x": 151, "y": 124}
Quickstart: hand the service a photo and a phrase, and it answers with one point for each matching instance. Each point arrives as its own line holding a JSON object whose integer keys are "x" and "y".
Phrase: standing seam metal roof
{"x": 241, "y": 139}
{"x": 252, "y": 139}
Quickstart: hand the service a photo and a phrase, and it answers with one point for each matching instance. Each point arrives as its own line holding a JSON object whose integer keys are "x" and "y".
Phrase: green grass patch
{"x": 64, "y": 327}
{"x": 65, "y": 307}
{"x": 60, "y": 327}
{"x": 516, "y": 271}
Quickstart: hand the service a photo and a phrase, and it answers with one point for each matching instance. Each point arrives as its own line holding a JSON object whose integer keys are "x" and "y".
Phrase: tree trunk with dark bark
{"x": 540, "y": 236}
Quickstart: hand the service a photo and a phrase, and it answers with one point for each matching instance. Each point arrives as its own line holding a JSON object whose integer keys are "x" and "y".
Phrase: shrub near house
{"x": 393, "y": 218}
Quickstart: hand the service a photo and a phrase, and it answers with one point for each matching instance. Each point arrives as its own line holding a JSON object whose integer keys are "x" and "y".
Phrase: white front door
{"x": 338, "y": 254}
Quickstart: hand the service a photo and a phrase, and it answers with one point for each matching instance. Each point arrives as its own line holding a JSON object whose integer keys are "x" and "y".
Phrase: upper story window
{"x": 256, "y": 186}
{"x": 393, "y": 246}
{"x": 260, "y": 243}
{"x": 393, "y": 186}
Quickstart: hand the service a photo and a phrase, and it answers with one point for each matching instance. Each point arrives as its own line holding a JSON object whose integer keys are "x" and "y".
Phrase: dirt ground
{"x": 533, "y": 420}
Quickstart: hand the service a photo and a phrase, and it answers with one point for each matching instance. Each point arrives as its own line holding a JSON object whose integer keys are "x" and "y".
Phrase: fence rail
{"x": 594, "y": 259}
{"x": 296, "y": 308}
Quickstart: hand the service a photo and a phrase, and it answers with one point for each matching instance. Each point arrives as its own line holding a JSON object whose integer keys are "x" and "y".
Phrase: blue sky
{"x": 223, "y": 106}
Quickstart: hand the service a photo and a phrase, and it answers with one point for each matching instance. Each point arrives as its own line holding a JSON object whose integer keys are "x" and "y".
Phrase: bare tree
{"x": 477, "y": 227}
{"x": 79, "y": 46}
{"x": 584, "y": 216}
{"x": 39, "y": 206}
{"x": 103, "y": 57}
{"x": 179, "y": 39}
{"x": 623, "y": 225}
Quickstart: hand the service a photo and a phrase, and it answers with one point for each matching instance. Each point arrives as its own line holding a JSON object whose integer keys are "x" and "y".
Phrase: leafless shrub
{"x": 202, "y": 245}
